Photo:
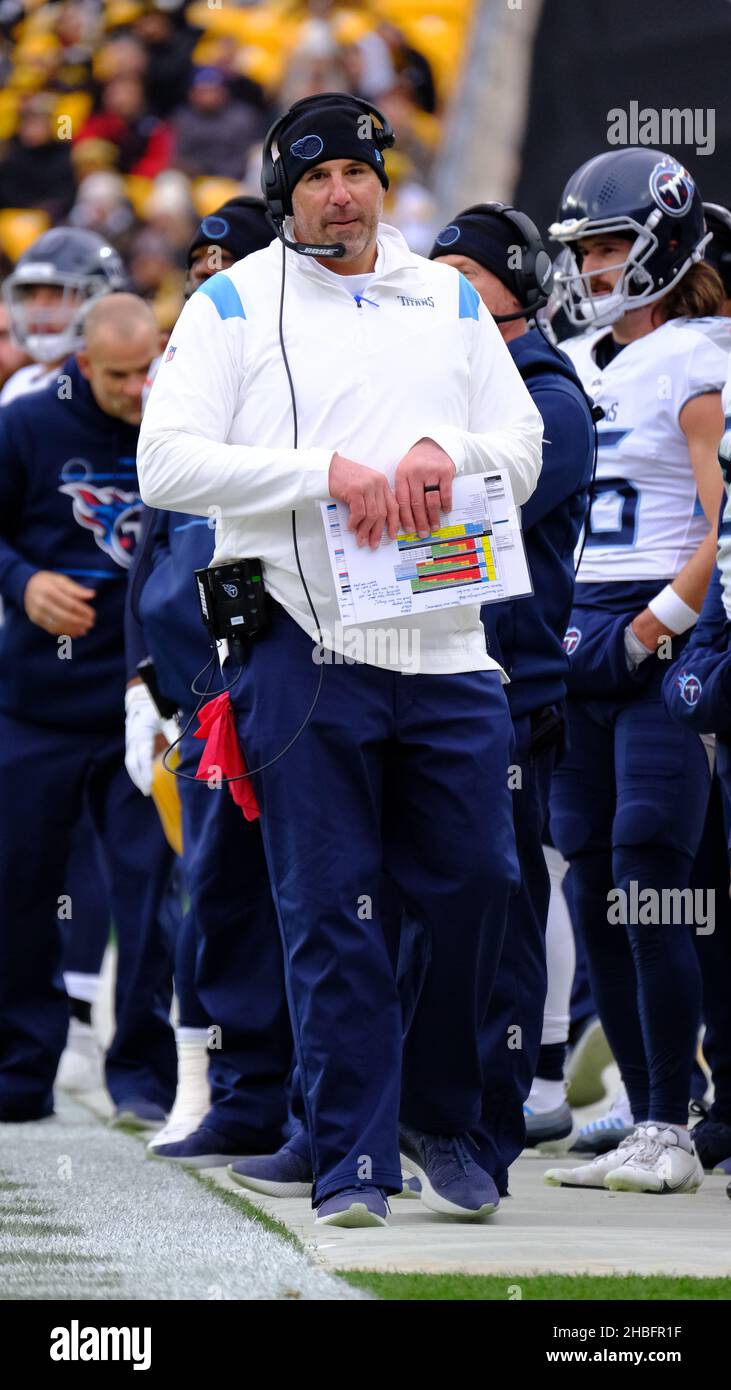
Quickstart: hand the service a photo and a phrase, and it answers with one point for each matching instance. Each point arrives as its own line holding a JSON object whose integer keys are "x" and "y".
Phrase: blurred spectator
{"x": 144, "y": 142}
{"x": 102, "y": 206}
{"x": 35, "y": 168}
{"x": 158, "y": 276}
{"x": 170, "y": 211}
{"x": 11, "y": 356}
{"x": 412, "y": 67}
{"x": 226, "y": 54}
{"x": 76, "y": 28}
{"x": 169, "y": 41}
{"x": 123, "y": 56}
{"x": 213, "y": 132}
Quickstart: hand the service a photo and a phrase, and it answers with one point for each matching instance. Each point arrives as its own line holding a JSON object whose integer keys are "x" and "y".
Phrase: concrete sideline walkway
{"x": 538, "y": 1230}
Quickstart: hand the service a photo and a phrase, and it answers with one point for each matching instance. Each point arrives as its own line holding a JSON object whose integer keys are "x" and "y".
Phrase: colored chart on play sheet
{"x": 454, "y": 555}
{"x": 475, "y": 556}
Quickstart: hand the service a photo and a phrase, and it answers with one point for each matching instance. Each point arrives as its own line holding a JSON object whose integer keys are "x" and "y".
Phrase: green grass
{"x": 245, "y": 1208}
{"x": 559, "y": 1287}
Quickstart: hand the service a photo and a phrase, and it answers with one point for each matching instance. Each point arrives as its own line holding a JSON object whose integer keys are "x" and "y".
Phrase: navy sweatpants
{"x": 510, "y": 1057}
{"x": 398, "y": 774}
{"x": 238, "y": 970}
{"x": 627, "y": 806}
{"x": 44, "y": 774}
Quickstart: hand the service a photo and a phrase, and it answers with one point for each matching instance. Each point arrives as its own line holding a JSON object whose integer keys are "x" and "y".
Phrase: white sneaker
{"x": 193, "y": 1094}
{"x": 81, "y": 1067}
{"x": 659, "y": 1163}
{"x": 593, "y": 1174}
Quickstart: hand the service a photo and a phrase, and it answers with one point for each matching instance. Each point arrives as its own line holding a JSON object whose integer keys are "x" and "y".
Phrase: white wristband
{"x": 670, "y": 610}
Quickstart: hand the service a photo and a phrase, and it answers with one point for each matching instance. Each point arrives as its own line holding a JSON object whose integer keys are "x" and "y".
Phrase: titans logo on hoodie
{"x": 69, "y": 503}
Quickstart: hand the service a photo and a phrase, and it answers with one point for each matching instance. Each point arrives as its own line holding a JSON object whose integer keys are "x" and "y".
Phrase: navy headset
{"x": 534, "y": 275}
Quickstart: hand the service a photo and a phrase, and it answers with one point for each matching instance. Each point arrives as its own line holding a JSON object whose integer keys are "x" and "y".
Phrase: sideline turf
{"x": 558, "y": 1287}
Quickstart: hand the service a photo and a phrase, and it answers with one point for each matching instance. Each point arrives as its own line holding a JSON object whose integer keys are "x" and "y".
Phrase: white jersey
{"x": 31, "y": 378}
{"x": 646, "y": 518}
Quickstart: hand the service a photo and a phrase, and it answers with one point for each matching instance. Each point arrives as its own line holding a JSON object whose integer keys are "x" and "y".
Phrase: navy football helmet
{"x": 646, "y": 196}
{"x": 79, "y": 262}
{"x": 718, "y": 250}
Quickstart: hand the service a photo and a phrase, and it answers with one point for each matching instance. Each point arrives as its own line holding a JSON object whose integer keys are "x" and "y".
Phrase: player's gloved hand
{"x": 635, "y": 651}
{"x": 58, "y": 604}
{"x": 368, "y": 497}
{"x": 143, "y": 725}
{"x": 423, "y": 486}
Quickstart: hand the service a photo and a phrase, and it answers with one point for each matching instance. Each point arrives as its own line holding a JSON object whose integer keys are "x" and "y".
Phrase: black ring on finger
{"x": 432, "y": 487}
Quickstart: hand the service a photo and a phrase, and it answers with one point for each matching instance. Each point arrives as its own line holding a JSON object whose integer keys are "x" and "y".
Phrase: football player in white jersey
{"x": 629, "y": 799}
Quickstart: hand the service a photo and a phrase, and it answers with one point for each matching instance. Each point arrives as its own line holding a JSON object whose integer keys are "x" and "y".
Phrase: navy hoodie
{"x": 525, "y": 634}
{"x": 163, "y": 619}
{"x": 69, "y": 502}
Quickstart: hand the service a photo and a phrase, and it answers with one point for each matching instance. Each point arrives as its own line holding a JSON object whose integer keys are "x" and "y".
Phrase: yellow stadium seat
{"x": 167, "y": 801}
{"x": 75, "y": 106}
{"x": 210, "y": 193}
{"x": 19, "y": 228}
{"x": 138, "y": 190}
{"x": 8, "y": 113}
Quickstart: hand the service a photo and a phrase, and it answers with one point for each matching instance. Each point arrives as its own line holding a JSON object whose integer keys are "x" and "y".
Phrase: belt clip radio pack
{"x": 233, "y": 599}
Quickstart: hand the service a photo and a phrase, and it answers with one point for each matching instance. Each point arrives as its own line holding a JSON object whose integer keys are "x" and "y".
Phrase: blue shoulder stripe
{"x": 469, "y": 299}
{"x": 225, "y": 296}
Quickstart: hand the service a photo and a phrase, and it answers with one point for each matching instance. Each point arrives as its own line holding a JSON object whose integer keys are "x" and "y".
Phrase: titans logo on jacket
{"x": 103, "y": 505}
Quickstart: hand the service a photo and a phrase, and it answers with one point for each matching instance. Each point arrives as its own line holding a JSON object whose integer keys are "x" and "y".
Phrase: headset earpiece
{"x": 534, "y": 275}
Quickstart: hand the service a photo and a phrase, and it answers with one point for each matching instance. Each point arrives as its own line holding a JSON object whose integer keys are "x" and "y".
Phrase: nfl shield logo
{"x": 169, "y": 355}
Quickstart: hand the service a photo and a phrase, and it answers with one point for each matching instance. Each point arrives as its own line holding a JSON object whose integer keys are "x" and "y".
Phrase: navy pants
{"x": 238, "y": 969}
{"x": 711, "y": 872}
{"x": 87, "y": 934}
{"x": 44, "y": 776}
{"x": 402, "y": 775}
{"x": 627, "y": 806}
{"x": 511, "y": 1033}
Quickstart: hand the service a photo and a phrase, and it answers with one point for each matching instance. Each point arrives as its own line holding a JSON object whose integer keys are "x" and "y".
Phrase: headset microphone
{"x": 333, "y": 251}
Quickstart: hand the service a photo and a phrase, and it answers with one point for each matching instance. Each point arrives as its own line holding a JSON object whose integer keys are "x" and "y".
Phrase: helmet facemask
{"x": 49, "y": 333}
{"x": 635, "y": 286}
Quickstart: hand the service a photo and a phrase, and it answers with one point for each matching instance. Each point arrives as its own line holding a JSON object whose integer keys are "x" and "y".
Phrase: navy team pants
{"x": 44, "y": 774}
{"x": 627, "y": 806}
{"x": 711, "y": 871}
{"x": 87, "y": 934}
{"x": 398, "y": 774}
{"x": 238, "y": 970}
{"x": 511, "y": 1033}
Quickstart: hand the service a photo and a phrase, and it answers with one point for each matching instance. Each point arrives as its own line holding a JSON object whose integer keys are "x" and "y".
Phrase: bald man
{"x": 69, "y": 522}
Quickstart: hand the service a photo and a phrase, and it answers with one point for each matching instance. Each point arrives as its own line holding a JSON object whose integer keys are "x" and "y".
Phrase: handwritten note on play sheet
{"x": 476, "y": 556}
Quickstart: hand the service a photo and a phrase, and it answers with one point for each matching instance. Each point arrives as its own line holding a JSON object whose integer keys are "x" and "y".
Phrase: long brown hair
{"x": 698, "y": 294}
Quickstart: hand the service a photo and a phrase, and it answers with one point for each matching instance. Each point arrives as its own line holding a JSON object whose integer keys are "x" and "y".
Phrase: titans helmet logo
{"x": 672, "y": 187}
{"x": 690, "y": 688}
{"x": 101, "y": 506}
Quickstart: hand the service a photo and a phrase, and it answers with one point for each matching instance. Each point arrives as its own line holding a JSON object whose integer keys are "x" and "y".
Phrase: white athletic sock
{"x": 545, "y": 1095}
{"x": 193, "y": 1092}
{"x": 78, "y": 986}
{"x": 684, "y": 1139}
{"x": 560, "y": 954}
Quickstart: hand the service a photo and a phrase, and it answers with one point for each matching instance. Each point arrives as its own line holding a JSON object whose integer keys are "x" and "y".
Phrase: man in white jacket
{"x": 401, "y": 383}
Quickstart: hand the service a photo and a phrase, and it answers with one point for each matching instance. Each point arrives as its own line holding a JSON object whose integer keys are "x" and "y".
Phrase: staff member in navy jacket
{"x": 69, "y": 521}
{"x": 500, "y": 252}
{"x": 228, "y": 958}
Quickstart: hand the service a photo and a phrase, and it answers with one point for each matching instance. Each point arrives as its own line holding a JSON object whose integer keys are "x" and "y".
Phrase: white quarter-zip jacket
{"x": 417, "y": 357}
